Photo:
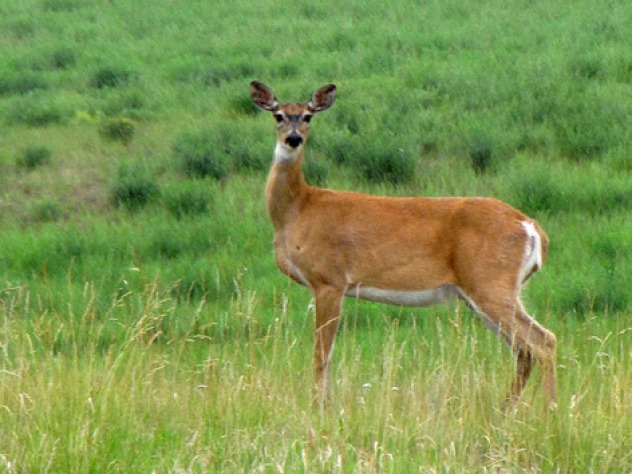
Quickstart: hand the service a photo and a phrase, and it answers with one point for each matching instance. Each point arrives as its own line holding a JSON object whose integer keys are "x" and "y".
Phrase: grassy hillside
{"x": 144, "y": 323}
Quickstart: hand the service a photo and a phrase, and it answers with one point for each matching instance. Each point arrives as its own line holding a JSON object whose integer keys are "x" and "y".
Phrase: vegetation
{"x": 143, "y": 323}
{"x": 118, "y": 129}
{"x": 34, "y": 156}
{"x": 134, "y": 188}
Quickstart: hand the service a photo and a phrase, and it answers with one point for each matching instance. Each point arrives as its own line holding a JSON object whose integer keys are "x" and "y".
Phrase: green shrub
{"x": 253, "y": 157}
{"x": 200, "y": 154}
{"x": 36, "y": 109}
{"x": 49, "y": 211}
{"x": 253, "y": 154}
{"x": 338, "y": 146}
{"x": 34, "y": 156}
{"x": 590, "y": 122}
{"x": 188, "y": 198}
{"x": 20, "y": 83}
{"x": 607, "y": 199}
{"x": 487, "y": 141}
{"x": 118, "y": 129}
{"x": 315, "y": 172}
{"x": 619, "y": 160}
{"x": 165, "y": 245}
{"x": 607, "y": 291}
{"x": 611, "y": 296}
{"x": 216, "y": 150}
{"x": 22, "y": 28}
{"x": 538, "y": 193}
{"x": 63, "y": 58}
{"x": 109, "y": 77}
{"x": 244, "y": 105}
{"x": 135, "y": 187}
{"x": 249, "y": 152}
{"x": 562, "y": 189}
{"x": 131, "y": 103}
{"x": 377, "y": 162}
{"x": 481, "y": 152}
{"x": 581, "y": 137}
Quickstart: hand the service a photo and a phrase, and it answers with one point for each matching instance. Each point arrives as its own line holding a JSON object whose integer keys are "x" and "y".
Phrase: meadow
{"x": 144, "y": 325}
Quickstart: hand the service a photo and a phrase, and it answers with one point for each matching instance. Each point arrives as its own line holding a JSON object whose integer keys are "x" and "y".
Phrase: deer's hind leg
{"x": 530, "y": 341}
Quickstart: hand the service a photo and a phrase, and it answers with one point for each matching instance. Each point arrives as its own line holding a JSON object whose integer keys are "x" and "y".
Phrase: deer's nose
{"x": 294, "y": 140}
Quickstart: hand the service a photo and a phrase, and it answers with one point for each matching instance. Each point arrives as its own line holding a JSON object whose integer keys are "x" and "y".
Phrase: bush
{"x": 315, "y": 172}
{"x": 36, "y": 109}
{"x": 200, "y": 154}
{"x": 22, "y": 28}
{"x": 488, "y": 140}
{"x": 384, "y": 163}
{"x": 481, "y": 152}
{"x": 189, "y": 198}
{"x": 118, "y": 129}
{"x": 134, "y": 187}
{"x": 606, "y": 291}
{"x": 538, "y": 193}
{"x": 131, "y": 103}
{"x": 49, "y": 211}
{"x": 374, "y": 161}
{"x": 252, "y": 152}
{"x": 20, "y": 83}
{"x": 244, "y": 105}
{"x": 250, "y": 157}
{"x": 241, "y": 144}
{"x": 63, "y": 58}
{"x": 108, "y": 77}
{"x": 582, "y": 137}
{"x": 166, "y": 245}
{"x": 34, "y": 156}
{"x": 337, "y": 145}
{"x": 589, "y": 123}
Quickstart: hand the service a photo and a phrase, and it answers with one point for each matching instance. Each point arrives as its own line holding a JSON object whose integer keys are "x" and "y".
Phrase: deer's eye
{"x": 307, "y": 118}
{"x": 279, "y": 118}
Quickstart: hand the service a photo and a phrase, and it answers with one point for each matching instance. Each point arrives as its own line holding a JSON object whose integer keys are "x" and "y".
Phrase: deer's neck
{"x": 286, "y": 185}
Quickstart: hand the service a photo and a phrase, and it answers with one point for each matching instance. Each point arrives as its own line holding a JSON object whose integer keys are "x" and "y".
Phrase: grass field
{"x": 144, "y": 326}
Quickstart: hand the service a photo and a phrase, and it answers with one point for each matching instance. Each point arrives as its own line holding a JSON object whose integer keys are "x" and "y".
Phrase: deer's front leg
{"x": 328, "y": 305}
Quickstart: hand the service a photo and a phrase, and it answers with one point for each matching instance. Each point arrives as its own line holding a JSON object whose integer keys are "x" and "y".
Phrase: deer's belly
{"x": 431, "y": 297}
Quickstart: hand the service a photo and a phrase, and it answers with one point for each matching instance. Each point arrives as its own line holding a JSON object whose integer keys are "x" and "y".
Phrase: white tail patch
{"x": 532, "y": 253}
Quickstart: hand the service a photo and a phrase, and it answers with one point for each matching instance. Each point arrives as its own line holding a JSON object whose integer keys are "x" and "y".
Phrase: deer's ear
{"x": 263, "y": 96}
{"x": 323, "y": 98}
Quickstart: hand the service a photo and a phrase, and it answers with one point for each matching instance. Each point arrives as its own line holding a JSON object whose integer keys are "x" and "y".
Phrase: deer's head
{"x": 292, "y": 118}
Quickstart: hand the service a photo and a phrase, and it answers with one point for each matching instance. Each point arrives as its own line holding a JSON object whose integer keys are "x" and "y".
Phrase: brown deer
{"x": 414, "y": 251}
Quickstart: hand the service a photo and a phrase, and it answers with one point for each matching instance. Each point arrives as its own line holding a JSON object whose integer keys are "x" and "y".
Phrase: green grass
{"x": 408, "y": 393}
{"x": 144, "y": 325}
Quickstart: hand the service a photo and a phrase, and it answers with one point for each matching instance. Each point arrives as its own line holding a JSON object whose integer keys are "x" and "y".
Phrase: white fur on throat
{"x": 284, "y": 154}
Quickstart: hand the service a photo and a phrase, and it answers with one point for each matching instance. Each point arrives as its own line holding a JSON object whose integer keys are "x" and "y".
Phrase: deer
{"x": 404, "y": 251}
